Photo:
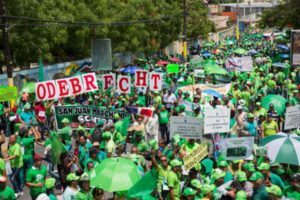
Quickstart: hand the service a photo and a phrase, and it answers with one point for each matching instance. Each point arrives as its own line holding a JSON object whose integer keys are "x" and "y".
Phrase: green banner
{"x": 8, "y": 93}
{"x": 90, "y": 114}
{"x": 209, "y": 62}
{"x": 172, "y": 68}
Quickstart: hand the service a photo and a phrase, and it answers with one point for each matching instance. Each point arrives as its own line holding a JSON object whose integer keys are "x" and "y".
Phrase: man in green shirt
{"x": 81, "y": 127}
{"x": 293, "y": 191}
{"x": 246, "y": 96}
{"x": 137, "y": 141}
{"x": 259, "y": 189}
{"x": 36, "y": 177}
{"x": 157, "y": 100}
{"x": 163, "y": 119}
{"x": 16, "y": 161}
{"x": 84, "y": 147}
{"x": 66, "y": 132}
{"x": 296, "y": 98}
{"x": 110, "y": 145}
{"x": 236, "y": 92}
{"x": 174, "y": 178}
{"x": 260, "y": 110}
{"x": 275, "y": 179}
{"x": 140, "y": 159}
{"x": 269, "y": 127}
{"x": 6, "y": 192}
{"x": 85, "y": 192}
{"x": 93, "y": 157}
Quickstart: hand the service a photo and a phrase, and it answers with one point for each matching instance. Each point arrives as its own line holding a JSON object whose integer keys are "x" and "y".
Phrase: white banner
{"x": 186, "y": 127}
{"x": 237, "y": 148}
{"x": 292, "y": 117}
{"x": 216, "y": 120}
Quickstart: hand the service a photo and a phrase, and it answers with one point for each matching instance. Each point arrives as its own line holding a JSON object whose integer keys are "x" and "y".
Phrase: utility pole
{"x": 8, "y": 62}
{"x": 249, "y": 2}
{"x": 184, "y": 28}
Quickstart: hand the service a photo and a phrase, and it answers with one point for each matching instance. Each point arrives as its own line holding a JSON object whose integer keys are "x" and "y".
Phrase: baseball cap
{"x": 84, "y": 177}
{"x": 250, "y": 167}
{"x": 153, "y": 144}
{"x": 250, "y": 115}
{"x": 241, "y": 176}
{"x": 235, "y": 161}
{"x": 2, "y": 179}
{"x": 43, "y": 197}
{"x": 241, "y": 195}
{"x": 72, "y": 177}
{"x": 242, "y": 102}
{"x": 65, "y": 120}
{"x": 91, "y": 100}
{"x": 55, "y": 100}
{"x": 295, "y": 177}
{"x": 176, "y": 138}
{"x": 37, "y": 157}
{"x": 138, "y": 133}
{"x": 274, "y": 190}
{"x": 280, "y": 171}
{"x": 100, "y": 122}
{"x": 189, "y": 191}
{"x": 256, "y": 176}
{"x": 258, "y": 103}
{"x": 270, "y": 115}
{"x": 196, "y": 183}
{"x": 175, "y": 163}
{"x": 96, "y": 144}
{"x": 207, "y": 189}
{"x": 50, "y": 183}
{"x": 274, "y": 164}
{"x": 240, "y": 107}
{"x": 116, "y": 116}
{"x": 106, "y": 135}
{"x": 295, "y": 91}
{"x": 263, "y": 166}
{"x": 271, "y": 105}
{"x": 218, "y": 174}
{"x": 223, "y": 163}
{"x": 26, "y": 107}
{"x": 104, "y": 100}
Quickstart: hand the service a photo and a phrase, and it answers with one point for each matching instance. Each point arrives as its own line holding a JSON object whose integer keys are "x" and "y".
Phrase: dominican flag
{"x": 271, "y": 37}
{"x": 216, "y": 144}
{"x": 142, "y": 111}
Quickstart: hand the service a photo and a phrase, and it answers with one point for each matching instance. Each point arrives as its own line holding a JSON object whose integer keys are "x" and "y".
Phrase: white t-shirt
{"x": 169, "y": 98}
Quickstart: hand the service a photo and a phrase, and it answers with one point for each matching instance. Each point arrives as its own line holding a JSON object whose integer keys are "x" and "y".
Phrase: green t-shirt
{"x": 65, "y": 133}
{"x": 269, "y": 127}
{"x": 260, "y": 193}
{"x": 34, "y": 176}
{"x": 236, "y": 93}
{"x": 190, "y": 147}
{"x": 173, "y": 180}
{"x": 142, "y": 146}
{"x": 280, "y": 77}
{"x": 110, "y": 146}
{"x": 117, "y": 137}
{"x": 18, "y": 161}
{"x": 28, "y": 145}
{"x": 81, "y": 195}
{"x": 140, "y": 158}
{"x": 1, "y": 109}
{"x": 7, "y": 194}
{"x": 164, "y": 117}
{"x": 261, "y": 111}
{"x": 246, "y": 96}
{"x": 271, "y": 84}
{"x": 233, "y": 101}
{"x": 157, "y": 100}
{"x": 290, "y": 193}
{"x": 2, "y": 166}
{"x": 276, "y": 180}
{"x": 162, "y": 176}
{"x": 295, "y": 102}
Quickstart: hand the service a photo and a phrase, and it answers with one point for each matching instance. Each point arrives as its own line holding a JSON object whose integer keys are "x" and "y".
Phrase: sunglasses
{"x": 164, "y": 160}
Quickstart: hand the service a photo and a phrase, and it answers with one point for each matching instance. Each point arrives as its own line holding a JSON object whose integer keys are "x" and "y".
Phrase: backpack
{"x": 97, "y": 135}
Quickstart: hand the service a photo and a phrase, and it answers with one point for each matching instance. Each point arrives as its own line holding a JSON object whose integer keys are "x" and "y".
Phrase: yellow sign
{"x": 195, "y": 156}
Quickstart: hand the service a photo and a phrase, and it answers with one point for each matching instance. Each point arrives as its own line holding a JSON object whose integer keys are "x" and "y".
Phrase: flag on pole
{"x": 142, "y": 111}
{"x": 41, "y": 72}
{"x": 57, "y": 148}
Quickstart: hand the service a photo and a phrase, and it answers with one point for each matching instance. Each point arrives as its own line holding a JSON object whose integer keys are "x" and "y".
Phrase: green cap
{"x": 84, "y": 177}
{"x": 223, "y": 163}
{"x": 176, "y": 138}
{"x": 138, "y": 133}
{"x": 218, "y": 174}
{"x": 65, "y": 120}
{"x": 26, "y": 107}
{"x": 256, "y": 176}
{"x": 175, "y": 163}
{"x": 153, "y": 144}
{"x": 263, "y": 166}
{"x": 235, "y": 161}
{"x": 55, "y": 100}
{"x": 156, "y": 92}
{"x": 280, "y": 171}
{"x": 274, "y": 190}
{"x": 250, "y": 167}
{"x": 250, "y": 115}
{"x": 258, "y": 103}
{"x": 182, "y": 107}
{"x": 72, "y": 98}
{"x": 104, "y": 100}
{"x": 207, "y": 189}
{"x": 241, "y": 195}
{"x": 196, "y": 183}
{"x": 295, "y": 91}
{"x": 100, "y": 122}
{"x": 72, "y": 177}
{"x": 106, "y": 134}
{"x": 189, "y": 191}
{"x": 91, "y": 100}
{"x": 50, "y": 183}
{"x": 116, "y": 116}
{"x": 272, "y": 164}
{"x": 241, "y": 176}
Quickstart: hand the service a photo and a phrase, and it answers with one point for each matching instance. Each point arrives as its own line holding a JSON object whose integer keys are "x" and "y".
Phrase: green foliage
{"x": 58, "y": 42}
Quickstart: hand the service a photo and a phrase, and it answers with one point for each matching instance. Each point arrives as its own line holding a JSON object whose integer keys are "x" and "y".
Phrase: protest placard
{"x": 239, "y": 64}
{"x": 217, "y": 120}
{"x": 186, "y": 127}
{"x": 295, "y": 47}
{"x": 172, "y": 68}
{"x": 90, "y": 114}
{"x": 209, "y": 62}
{"x": 195, "y": 156}
{"x": 237, "y": 148}
{"x": 199, "y": 73}
{"x": 8, "y": 93}
{"x": 292, "y": 117}
{"x": 260, "y": 151}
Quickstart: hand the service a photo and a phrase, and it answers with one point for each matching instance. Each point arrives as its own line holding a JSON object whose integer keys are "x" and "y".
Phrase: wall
{"x": 220, "y": 21}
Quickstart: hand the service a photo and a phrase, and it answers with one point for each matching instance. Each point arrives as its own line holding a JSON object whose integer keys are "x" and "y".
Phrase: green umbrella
{"x": 229, "y": 42}
{"x": 240, "y": 51}
{"x": 115, "y": 174}
{"x": 283, "y": 148}
{"x": 277, "y": 100}
{"x": 248, "y": 43}
{"x": 210, "y": 67}
{"x": 220, "y": 71}
{"x": 207, "y": 44}
{"x": 28, "y": 88}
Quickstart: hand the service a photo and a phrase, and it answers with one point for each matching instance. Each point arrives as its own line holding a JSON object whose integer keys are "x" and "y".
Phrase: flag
{"x": 41, "y": 72}
{"x": 143, "y": 188}
{"x": 216, "y": 144}
{"x": 141, "y": 111}
{"x": 237, "y": 32}
{"x": 57, "y": 148}
{"x": 125, "y": 125}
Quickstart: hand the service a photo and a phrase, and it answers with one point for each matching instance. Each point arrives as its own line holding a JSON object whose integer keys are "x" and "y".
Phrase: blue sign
{"x": 241, "y": 26}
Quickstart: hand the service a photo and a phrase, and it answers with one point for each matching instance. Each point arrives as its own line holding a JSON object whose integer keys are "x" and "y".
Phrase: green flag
{"x": 57, "y": 149}
{"x": 41, "y": 72}
{"x": 125, "y": 125}
{"x": 143, "y": 188}
{"x": 172, "y": 68}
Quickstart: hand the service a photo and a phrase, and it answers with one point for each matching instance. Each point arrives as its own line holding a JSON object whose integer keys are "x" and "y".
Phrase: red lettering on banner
{"x": 63, "y": 87}
{"x": 141, "y": 76}
{"x": 41, "y": 86}
{"x": 51, "y": 86}
{"x": 89, "y": 82}
{"x": 156, "y": 78}
{"x": 121, "y": 84}
{"x": 108, "y": 81}
{"x": 76, "y": 87}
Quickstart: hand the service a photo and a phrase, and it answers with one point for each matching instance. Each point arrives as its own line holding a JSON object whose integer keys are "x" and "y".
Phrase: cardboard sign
{"x": 292, "y": 117}
{"x": 108, "y": 81}
{"x": 124, "y": 83}
{"x": 195, "y": 156}
{"x": 141, "y": 78}
{"x": 239, "y": 64}
{"x": 156, "y": 81}
{"x": 237, "y": 148}
{"x": 217, "y": 120}
{"x": 186, "y": 127}
{"x": 260, "y": 151}
{"x": 9, "y": 93}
